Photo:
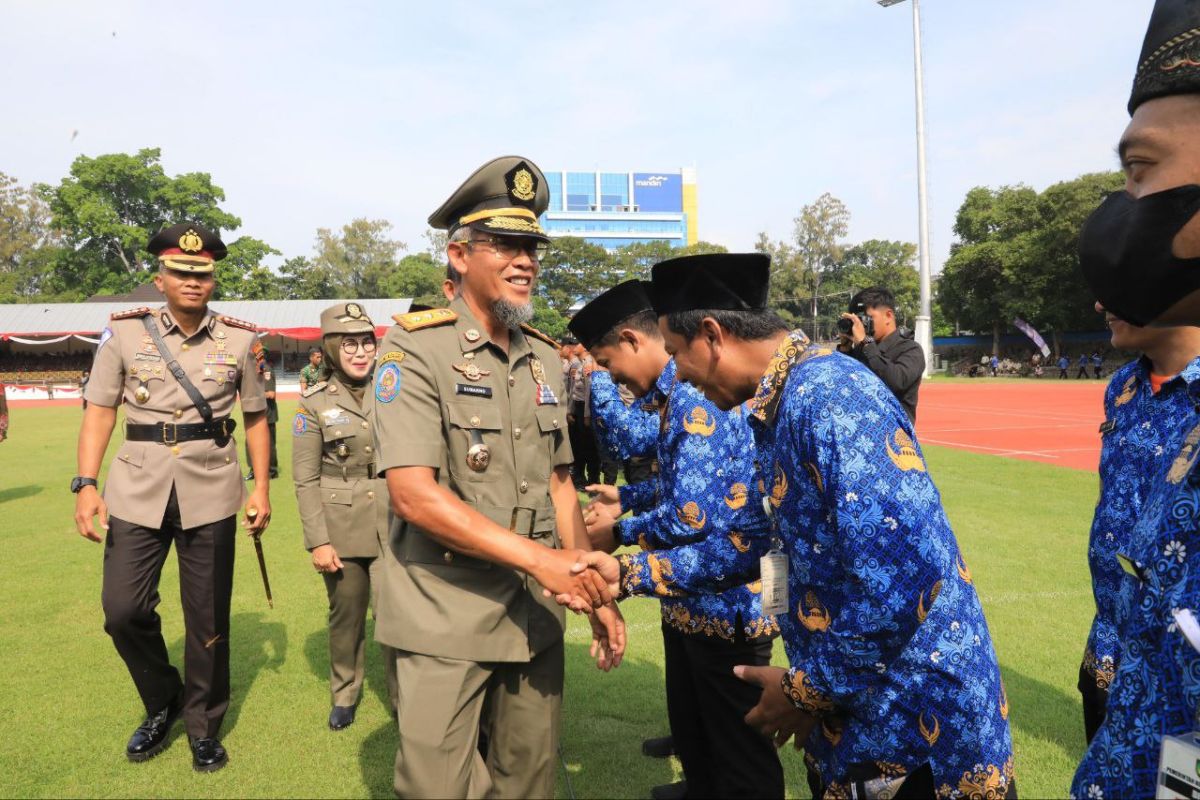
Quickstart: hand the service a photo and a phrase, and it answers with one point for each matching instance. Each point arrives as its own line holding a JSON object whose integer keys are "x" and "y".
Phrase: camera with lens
{"x": 844, "y": 325}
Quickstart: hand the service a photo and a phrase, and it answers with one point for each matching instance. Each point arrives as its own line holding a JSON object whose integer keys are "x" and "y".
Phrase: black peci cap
{"x": 1170, "y": 59}
{"x": 713, "y": 281}
{"x": 593, "y": 322}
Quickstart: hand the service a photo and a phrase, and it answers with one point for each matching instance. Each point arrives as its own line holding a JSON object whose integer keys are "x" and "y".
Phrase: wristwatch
{"x": 866, "y": 341}
{"x": 78, "y": 482}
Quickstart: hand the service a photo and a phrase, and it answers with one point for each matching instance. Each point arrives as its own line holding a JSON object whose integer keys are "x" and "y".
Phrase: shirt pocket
{"x": 472, "y": 425}
{"x": 552, "y": 422}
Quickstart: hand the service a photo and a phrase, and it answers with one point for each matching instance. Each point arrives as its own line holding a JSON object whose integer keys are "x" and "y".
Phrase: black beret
{"x": 504, "y": 196}
{"x": 713, "y": 281}
{"x": 1170, "y": 59}
{"x": 593, "y": 322}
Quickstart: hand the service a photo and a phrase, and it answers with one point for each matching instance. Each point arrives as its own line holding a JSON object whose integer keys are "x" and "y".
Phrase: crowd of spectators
{"x": 39, "y": 367}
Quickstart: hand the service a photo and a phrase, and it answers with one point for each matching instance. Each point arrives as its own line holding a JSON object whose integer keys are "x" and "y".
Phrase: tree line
{"x": 1014, "y": 253}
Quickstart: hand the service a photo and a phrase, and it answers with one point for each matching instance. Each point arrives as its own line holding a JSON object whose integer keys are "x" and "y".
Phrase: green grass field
{"x": 69, "y": 705}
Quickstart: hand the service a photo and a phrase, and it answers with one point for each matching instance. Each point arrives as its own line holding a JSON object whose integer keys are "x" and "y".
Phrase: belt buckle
{"x": 224, "y": 428}
{"x": 174, "y": 433}
{"x": 512, "y": 525}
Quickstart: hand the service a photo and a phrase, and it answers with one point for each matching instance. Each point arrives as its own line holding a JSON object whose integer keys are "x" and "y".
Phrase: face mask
{"x": 1125, "y": 253}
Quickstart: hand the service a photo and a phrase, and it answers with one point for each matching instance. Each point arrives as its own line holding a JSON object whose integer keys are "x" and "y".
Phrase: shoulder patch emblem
{"x": 131, "y": 313}
{"x": 387, "y": 381}
{"x": 238, "y": 323}
{"x": 535, "y": 333}
{"x": 299, "y": 424}
{"x": 416, "y": 320}
{"x": 316, "y": 387}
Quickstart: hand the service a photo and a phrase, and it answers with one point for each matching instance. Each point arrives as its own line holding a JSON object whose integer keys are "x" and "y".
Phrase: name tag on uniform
{"x": 335, "y": 417}
{"x": 1178, "y": 776}
{"x": 473, "y": 390}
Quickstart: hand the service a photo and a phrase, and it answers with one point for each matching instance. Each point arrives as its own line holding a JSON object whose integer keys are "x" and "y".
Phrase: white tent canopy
{"x": 53, "y": 323}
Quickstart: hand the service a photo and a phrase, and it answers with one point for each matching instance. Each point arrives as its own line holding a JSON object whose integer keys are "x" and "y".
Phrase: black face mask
{"x": 1125, "y": 253}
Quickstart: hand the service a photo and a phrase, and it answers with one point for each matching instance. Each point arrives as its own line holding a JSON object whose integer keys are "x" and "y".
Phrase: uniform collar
{"x": 662, "y": 386}
{"x": 793, "y": 349}
{"x": 472, "y": 335}
{"x": 167, "y": 323}
{"x": 340, "y": 395}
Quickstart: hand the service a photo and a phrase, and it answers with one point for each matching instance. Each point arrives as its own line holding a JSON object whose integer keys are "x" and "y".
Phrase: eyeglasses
{"x": 350, "y": 346}
{"x": 511, "y": 248}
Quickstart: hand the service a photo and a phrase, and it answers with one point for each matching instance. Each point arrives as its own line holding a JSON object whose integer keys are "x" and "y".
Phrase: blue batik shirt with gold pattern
{"x": 1156, "y": 689}
{"x": 886, "y": 638}
{"x": 1139, "y": 428}
{"x": 622, "y": 431}
{"x": 704, "y": 490}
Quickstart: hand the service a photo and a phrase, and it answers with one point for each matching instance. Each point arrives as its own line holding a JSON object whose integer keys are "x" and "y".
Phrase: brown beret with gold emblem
{"x": 504, "y": 196}
{"x": 345, "y": 318}
{"x": 187, "y": 247}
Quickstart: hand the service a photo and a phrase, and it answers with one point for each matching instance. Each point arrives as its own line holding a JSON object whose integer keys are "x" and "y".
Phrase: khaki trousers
{"x": 444, "y": 703}
{"x": 350, "y": 597}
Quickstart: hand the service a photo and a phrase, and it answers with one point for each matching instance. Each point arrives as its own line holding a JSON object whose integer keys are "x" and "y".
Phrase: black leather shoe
{"x": 150, "y": 738}
{"x": 669, "y": 791}
{"x": 662, "y": 747}
{"x": 208, "y": 755}
{"x": 341, "y": 717}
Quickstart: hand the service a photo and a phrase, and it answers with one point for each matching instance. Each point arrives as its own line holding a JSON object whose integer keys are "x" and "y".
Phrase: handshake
{"x": 589, "y": 582}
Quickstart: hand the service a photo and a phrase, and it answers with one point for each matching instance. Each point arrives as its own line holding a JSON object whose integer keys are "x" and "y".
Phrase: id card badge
{"x": 773, "y": 569}
{"x": 1178, "y": 776}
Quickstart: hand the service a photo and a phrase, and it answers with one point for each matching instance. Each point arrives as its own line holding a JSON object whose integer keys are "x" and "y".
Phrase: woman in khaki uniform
{"x": 343, "y": 506}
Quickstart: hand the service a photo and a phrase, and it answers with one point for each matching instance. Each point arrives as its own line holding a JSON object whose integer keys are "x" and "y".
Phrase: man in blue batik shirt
{"x": 703, "y": 491}
{"x": 1146, "y": 402}
{"x": 1137, "y": 253}
{"x": 894, "y": 688}
{"x": 625, "y": 431}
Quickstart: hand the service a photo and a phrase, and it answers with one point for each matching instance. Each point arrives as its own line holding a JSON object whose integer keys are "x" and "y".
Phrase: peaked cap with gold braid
{"x": 505, "y": 196}
{"x": 187, "y": 247}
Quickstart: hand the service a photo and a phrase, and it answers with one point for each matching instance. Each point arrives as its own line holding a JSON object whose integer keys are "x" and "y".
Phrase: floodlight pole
{"x": 924, "y": 321}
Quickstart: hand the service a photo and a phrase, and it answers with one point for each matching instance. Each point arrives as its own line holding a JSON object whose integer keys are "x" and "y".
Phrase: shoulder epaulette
{"x": 416, "y": 320}
{"x": 316, "y": 387}
{"x": 535, "y": 333}
{"x": 238, "y": 323}
{"x": 131, "y": 313}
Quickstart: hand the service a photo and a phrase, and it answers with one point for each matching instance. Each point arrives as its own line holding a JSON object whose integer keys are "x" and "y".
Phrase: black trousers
{"x": 274, "y": 453}
{"x": 1095, "y": 700}
{"x": 638, "y": 469}
{"x": 706, "y": 706}
{"x": 583, "y": 445}
{"x": 133, "y": 561}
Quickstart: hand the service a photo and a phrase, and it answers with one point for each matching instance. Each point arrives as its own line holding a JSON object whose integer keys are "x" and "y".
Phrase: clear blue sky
{"x": 311, "y": 114}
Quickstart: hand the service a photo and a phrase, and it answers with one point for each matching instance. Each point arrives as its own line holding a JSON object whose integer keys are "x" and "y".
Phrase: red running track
{"x": 1055, "y": 421}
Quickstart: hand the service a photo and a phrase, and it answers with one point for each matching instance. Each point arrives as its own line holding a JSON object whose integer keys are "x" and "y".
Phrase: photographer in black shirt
{"x": 868, "y": 333}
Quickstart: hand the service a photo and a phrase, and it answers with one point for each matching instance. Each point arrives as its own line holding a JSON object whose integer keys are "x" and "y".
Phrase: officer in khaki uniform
{"x": 343, "y": 505}
{"x": 470, "y": 419}
{"x": 175, "y": 479}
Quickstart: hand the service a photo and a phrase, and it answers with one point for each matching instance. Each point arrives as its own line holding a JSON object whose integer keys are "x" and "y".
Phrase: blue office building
{"x": 614, "y": 209}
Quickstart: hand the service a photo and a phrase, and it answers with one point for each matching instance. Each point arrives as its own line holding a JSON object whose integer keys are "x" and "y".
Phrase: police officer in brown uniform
{"x": 343, "y": 504}
{"x": 471, "y": 424}
{"x": 178, "y": 370}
